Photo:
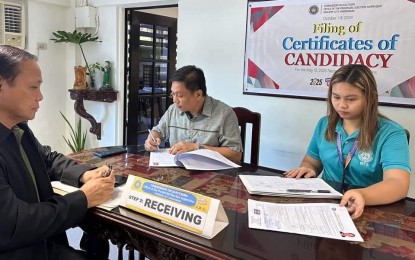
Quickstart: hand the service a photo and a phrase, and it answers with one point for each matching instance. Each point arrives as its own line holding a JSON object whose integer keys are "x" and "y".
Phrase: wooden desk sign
{"x": 201, "y": 215}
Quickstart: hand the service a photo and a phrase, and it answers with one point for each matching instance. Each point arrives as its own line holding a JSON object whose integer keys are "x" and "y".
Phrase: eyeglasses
{"x": 184, "y": 94}
{"x": 176, "y": 95}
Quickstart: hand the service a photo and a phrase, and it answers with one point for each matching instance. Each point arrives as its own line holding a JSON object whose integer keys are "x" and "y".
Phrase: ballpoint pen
{"x": 308, "y": 191}
{"x": 154, "y": 139}
{"x": 108, "y": 172}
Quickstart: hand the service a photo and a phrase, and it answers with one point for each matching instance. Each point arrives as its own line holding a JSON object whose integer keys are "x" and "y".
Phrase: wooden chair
{"x": 246, "y": 116}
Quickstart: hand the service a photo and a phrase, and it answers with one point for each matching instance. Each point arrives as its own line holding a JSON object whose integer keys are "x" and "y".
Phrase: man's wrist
{"x": 81, "y": 180}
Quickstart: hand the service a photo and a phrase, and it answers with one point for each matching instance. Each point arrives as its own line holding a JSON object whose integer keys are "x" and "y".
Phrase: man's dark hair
{"x": 10, "y": 60}
{"x": 192, "y": 77}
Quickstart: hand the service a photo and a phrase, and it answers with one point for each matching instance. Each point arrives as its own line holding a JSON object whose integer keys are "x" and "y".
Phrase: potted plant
{"x": 77, "y": 38}
{"x": 78, "y": 138}
{"x": 92, "y": 67}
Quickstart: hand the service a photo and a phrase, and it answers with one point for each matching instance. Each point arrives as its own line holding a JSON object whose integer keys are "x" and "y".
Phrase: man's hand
{"x": 98, "y": 189}
{"x": 150, "y": 145}
{"x": 183, "y": 147}
{"x": 98, "y": 172}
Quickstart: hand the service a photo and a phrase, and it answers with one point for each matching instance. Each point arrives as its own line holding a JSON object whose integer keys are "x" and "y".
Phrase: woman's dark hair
{"x": 192, "y": 77}
{"x": 361, "y": 77}
{"x": 10, "y": 60}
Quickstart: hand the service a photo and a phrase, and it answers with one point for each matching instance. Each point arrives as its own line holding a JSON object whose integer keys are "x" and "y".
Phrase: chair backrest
{"x": 408, "y": 135}
{"x": 246, "y": 116}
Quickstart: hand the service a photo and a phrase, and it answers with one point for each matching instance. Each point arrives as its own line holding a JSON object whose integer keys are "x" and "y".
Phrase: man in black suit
{"x": 33, "y": 220}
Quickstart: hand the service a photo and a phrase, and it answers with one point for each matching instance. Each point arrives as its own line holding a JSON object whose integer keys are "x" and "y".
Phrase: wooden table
{"x": 388, "y": 231}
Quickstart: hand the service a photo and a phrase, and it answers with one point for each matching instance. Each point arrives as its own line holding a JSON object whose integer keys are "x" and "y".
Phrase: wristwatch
{"x": 200, "y": 147}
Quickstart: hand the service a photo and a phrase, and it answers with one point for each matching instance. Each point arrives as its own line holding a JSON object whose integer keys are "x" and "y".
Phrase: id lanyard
{"x": 348, "y": 158}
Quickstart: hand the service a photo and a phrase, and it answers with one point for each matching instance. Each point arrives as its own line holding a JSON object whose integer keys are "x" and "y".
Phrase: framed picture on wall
{"x": 294, "y": 46}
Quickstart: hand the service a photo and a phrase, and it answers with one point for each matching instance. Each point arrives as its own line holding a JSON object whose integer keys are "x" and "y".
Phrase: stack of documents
{"x": 202, "y": 159}
{"x": 63, "y": 189}
{"x": 289, "y": 187}
{"x": 312, "y": 219}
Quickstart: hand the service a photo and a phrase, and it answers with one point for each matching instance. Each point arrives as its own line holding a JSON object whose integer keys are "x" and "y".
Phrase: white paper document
{"x": 162, "y": 158}
{"x": 62, "y": 189}
{"x": 289, "y": 187}
{"x": 203, "y": 159}
{"x": 314, "y": 219}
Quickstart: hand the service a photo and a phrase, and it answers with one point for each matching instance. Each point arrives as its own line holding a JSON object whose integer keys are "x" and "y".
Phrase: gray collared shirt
{"x": 217, "y": 126}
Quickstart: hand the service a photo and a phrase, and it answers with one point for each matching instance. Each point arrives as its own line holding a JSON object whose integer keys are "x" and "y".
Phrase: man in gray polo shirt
{"x": 196, "y": 120}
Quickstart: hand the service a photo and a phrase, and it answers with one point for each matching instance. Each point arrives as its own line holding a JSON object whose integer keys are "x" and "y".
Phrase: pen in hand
{"x": 152, "y": 137}
{"x": 107, "y": 172}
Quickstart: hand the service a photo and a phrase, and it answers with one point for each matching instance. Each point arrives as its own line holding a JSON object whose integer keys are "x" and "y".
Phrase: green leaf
{"x": 77, "y": 137}
{"x": 74, "y": 37}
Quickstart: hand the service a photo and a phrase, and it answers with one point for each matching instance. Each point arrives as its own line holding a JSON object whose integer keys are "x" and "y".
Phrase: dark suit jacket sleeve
{"x": 24, "y": 223}
{"x": 23, "y": 220}
{"x": 62, "y": 168}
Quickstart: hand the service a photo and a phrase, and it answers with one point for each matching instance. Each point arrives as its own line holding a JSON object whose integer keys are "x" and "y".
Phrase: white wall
{"x": 110, "y": 115}
{"x": 211, "y": 34}
{"x": 43, "y": 18}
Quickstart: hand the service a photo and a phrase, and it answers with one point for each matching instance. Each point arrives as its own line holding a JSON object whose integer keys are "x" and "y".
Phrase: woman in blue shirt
{"x": 357, "y": 146}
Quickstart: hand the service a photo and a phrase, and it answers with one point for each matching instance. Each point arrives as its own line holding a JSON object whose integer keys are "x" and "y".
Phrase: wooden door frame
{"x": 128, "y": 81}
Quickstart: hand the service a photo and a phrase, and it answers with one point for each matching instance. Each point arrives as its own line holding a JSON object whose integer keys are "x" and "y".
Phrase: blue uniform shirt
{"x": 390, "y": 151}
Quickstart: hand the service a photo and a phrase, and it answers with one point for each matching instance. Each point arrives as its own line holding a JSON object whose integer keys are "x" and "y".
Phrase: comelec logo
{"x": 137, "y": 184}
{"x": 313, "y": 9}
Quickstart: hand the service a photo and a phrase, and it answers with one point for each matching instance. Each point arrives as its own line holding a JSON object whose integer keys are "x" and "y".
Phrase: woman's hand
{"x": 301, "y": 172}
{"x": 309, "y": 168}
{"x": 355, "y": 203}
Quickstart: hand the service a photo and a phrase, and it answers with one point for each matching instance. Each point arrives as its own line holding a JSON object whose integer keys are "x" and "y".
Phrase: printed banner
{"x": 293, "y": 47}
{"x": 190, "y": 211}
